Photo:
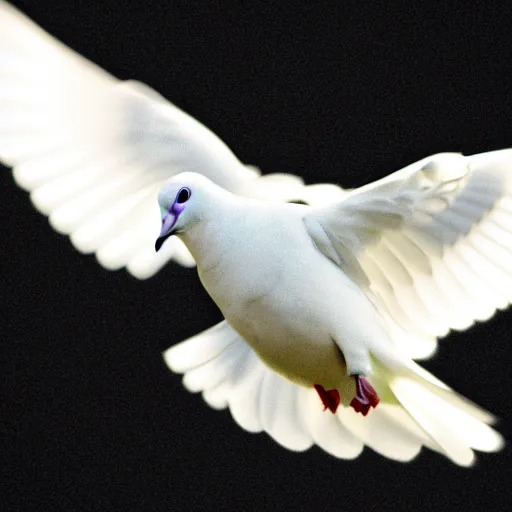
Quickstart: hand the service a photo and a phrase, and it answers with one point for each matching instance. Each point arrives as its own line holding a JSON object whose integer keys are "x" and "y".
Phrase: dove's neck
{"x": 209, "y": 239}
{"x": 201, "y": 245}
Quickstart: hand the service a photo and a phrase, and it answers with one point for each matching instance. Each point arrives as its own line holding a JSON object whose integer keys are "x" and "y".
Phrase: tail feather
{"x": 416, "y": 409}
{"x": 412, "y": 398}
{"x": 454, "y": 425}
{"x": 441, "y": 389}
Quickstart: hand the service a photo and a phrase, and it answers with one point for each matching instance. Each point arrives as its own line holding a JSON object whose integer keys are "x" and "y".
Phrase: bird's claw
{"x": 366, "y": 396}
{"x": 330, "y": 398}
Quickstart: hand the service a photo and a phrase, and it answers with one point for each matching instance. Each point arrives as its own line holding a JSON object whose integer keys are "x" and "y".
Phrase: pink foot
{"x": 330, "y": 398}
{"x": 366, "y": 396}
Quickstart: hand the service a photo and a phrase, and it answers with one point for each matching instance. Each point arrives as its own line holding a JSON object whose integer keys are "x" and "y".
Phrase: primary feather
{"x": 432, "y": 242}
{"x": 93, "y": 151}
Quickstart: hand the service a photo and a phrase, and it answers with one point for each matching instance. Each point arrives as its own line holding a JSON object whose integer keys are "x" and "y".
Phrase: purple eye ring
{"x": 183, "y": 195}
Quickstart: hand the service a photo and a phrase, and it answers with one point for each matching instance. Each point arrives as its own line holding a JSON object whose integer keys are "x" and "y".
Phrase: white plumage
{"x": 379, "y": 274}
{"x": 421, "y": 252}
{"x": 93, "y": 151}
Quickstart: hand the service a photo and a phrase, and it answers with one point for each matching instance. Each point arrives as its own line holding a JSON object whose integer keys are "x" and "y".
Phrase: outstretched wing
{"x": 94, "y": 151}
{"x": 228, "y": 372}
{"x": 431, "y": 244}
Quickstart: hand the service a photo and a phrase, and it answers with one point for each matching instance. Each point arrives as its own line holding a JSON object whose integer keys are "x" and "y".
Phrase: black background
{"x": 91, "y": 419}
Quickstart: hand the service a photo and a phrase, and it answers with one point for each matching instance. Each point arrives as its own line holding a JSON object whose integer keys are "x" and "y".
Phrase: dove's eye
{"x": 183, "y": 196}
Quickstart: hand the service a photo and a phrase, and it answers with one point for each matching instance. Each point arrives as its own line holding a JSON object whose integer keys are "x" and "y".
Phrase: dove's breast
{"x": 284, "y": 297}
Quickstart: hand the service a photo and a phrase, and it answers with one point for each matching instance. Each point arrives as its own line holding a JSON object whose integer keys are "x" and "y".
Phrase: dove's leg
{"x": 354, "y": 348}
{"x": 358, "y": 365}
{"x": 330, "y": 398}
{"x": 366, "y": 397}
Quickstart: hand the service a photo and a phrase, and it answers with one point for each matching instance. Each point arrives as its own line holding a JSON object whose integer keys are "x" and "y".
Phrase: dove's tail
{"x": 454, "y": 425}
{"x": 416, "y": 409}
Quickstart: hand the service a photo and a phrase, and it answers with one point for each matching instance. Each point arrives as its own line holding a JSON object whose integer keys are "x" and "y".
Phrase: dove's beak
{"x": 167, "y": 224}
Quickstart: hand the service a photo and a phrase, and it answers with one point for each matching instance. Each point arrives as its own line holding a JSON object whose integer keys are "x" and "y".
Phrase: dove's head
{"x": 182, "y": 201}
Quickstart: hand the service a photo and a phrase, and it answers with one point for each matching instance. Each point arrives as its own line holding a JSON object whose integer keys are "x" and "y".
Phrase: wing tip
{"x": 169, "y": 359}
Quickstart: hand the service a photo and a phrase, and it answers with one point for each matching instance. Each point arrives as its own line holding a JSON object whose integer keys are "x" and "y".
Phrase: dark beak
{"x": 167, "y": 224}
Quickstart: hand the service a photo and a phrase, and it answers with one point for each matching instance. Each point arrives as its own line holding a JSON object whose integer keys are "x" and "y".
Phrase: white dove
{"x": 338, "y": 300}
{"x": 94, "y": 151}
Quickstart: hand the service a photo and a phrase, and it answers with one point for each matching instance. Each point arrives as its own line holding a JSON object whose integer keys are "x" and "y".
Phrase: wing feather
{"x": 229, "y": 374}
{"x": 433, "y": 240}
{"x": 85, "y": 145}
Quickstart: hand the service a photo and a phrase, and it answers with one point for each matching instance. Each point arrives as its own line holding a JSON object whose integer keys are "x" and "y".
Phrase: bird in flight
{"x": 327, "y": 303}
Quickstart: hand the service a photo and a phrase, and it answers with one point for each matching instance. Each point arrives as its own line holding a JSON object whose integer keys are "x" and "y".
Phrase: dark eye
{"x": 183, "y": 195}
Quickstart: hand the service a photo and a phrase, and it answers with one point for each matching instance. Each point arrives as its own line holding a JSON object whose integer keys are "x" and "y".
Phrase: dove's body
{"x": 295, "y": 307}
{"x": 363, "y": 281}
{"x": 301, "y": 287}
